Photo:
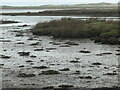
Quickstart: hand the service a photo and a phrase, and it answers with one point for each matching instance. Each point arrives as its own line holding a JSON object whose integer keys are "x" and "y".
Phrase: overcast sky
{"x": 46, "y": 2}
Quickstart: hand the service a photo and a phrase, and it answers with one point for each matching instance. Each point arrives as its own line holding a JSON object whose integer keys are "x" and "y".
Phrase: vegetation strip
{"x": 71, "y": 12}
{"x": 101, "y": 31}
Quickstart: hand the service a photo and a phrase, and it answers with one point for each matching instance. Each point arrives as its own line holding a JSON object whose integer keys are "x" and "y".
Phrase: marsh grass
{"x": 101, "y": 30}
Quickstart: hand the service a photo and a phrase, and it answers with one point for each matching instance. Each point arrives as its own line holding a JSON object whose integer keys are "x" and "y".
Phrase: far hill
{"x": 91, "y": 5}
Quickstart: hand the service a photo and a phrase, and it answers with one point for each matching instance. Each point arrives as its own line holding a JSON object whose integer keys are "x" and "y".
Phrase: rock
{"x": 42, "y": 60}
{"x": 25, "y": 75}
{"x": 50, "y": 49}
{"x": 118, "y": 54}
{"x": 74, "y": 61}
{"x": 33, "y": 56}
{"x": 4, "y": 56}
{"x": 49, "y": 87}
{"x": 118, "y": 50}
{"x": 39, "y": 49}
{"x": 97, "y": 63}
{"x": 111, "y": 73}
{"x": 22, "y": 66}
{"x": 24, "y": 53}
{"x": 84, "y": 51}
{"x": 30, "y": 39}
{"x": 65, "y": 69}
{"x": 98, "y": 54}
{"x": 71, "y": 43}
{"x": 40, "y": 67}
{"x": 23, "y": 25}
{"x": 5, "y": 50}
{"x": 7, "y": 22}
{"x": 1, "y": 64}
{"x": 37, "y": 43}
{"x": 20, "y": 43}
{"x": 19, "y": 35}
{"x": 5, "y": 40}
{"x": 29, "y": 61}
{"x": 49, "y": 72}
{"x": 85, "y": 77}
{"x": 64, "y": 46}
{"x": 77, "y": 72}
{"x": 56, "y": 43}
{"x": 106, "y": 53}
{"x": 65, "y": 86}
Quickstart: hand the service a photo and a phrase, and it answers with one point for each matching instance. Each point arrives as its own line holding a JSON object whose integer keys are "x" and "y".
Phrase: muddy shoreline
{"x": 31, "y": 61}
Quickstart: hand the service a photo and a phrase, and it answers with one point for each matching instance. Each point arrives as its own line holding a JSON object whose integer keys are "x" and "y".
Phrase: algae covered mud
{"x": 31, "y": 61}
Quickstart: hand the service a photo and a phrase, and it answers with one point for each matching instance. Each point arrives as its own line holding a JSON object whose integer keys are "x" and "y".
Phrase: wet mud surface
{"x": 29, "y": 61}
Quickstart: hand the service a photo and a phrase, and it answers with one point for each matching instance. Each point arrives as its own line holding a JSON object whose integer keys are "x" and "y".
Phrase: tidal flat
{"x": 33, "y": 61}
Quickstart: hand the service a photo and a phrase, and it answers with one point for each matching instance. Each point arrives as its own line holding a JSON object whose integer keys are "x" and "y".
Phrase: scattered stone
{"x": 42, "y": 60}
{"x": 85, "y": 77}
{"x": 65, "y": 69}
{"x": 73, "y": 61}
{"x": 71, "y": 43}
{"x": 22, "y": 66}
{"x": 4, "y": 56}
{"x": 25, "y": 75}
{"x": 7, "y": 22}
{"x": 23, "y": 25}
{"x": 49, "y": 72}
{"x": 64, "y": 46}
{"x": 98, "y": 54}
{"x": 24, "y": 53}
{"x": 84, "y": 51}
{"x": 49, "y": 87}
{"x": 39, "y": 49}
{"x": 37, "y": 43}
{"x": 118, "y": 50}
{"x": 20, "y": 43}
{"x": 97, "y": 63}
{"x": 111, "y": 73}
{"x": 1, "y": 38}
{"x": 50, "y": 49}
{"x": 5, "y": 40}
{"x": 40, "y": 67}
{"x": 29, "y": 61}
{"x": 19, "y": 35}
{"x": 106, "y": 67}
{"x": 77, "y": 72}
{"x": 33, "y": 56}
{"x": 1, "y": 64}
{"x": 118, "y": 54}
{"x": 106, "y": 53}
{"x": 65, "y": 86}
{"x": 56, "y": 43}
{"x": 30, "y": 39}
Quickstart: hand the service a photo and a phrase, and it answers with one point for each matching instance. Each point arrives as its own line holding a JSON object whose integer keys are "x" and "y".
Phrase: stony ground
{"x": 29, "y": 61}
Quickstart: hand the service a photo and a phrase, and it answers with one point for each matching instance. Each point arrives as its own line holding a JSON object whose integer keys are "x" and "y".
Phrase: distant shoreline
{"x": 73, "y": 12}
{"x": 90, "y": 5}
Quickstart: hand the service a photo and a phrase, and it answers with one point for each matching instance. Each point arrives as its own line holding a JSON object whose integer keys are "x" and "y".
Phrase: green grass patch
{"x": 101, "y": 30}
